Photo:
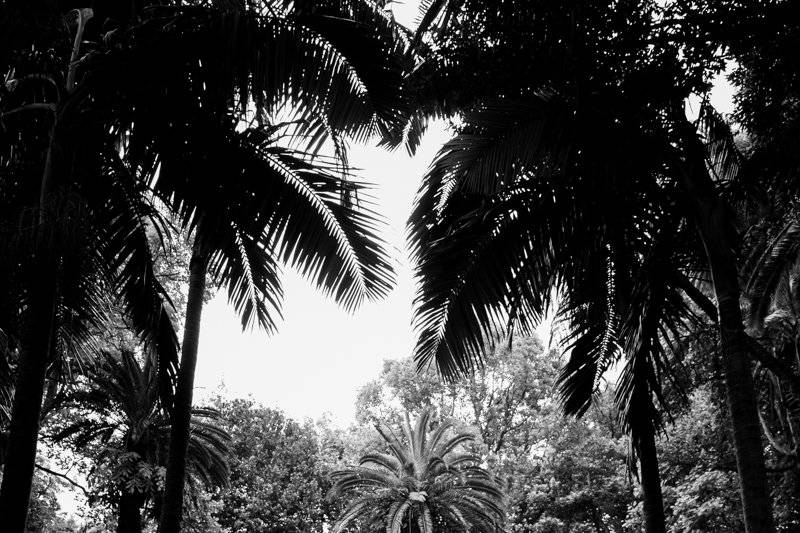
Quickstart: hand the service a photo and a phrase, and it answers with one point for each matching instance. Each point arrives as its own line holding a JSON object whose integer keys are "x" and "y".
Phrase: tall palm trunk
{"x": 25, "y": 414}
{"x": 172, "y": 510}
{"x": 130, "y": 512}
{"x": 653, "y": 502}
{"x": 715, "y": 226}
{"x": 36, "y": 350}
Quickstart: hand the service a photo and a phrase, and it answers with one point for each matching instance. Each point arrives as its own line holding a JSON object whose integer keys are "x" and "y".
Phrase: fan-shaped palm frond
{"x": 118, "y": 409}
{"x": 423, "y": 480}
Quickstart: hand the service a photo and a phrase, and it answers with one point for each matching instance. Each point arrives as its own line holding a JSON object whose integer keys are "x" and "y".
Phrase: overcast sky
{"x": 322, "y": 355}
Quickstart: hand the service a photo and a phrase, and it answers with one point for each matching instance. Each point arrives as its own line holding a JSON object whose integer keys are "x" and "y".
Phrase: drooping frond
{"x": 723, "y": 157}
{"x": 430, "y": 12}
{"x": 772, "y": 260}
{"x": 433, "y": 480}
{"x": 381, "y": 460}
{"x": 353, "y": 512}
{"x": 498, "y": 252}
{"x": 120, "y": 410}
{"x": 396, "y": 515}
{"x": 425, "y": 520}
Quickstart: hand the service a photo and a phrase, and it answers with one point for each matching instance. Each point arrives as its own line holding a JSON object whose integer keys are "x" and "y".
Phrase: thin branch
{"x": 64, "y": 476}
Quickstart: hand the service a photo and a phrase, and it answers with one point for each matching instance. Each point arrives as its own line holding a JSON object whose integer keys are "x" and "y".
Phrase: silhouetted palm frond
{"x": 118, "y": 407}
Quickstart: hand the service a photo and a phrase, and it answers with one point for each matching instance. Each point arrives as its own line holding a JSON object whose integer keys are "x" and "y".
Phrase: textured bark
{"x": 20, "y": 457}
{"x": 716, "y": 229}
{"x": 172, "y": 510}
{"x": 653, "y": 502}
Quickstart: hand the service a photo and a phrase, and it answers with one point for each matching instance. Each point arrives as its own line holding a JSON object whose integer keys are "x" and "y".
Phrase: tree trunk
{"x": 653, "y": 502}
{"x": 35, "y": 354}
{"x": 130, "y": 512}
{"x": 20, "y": 457}
{"x": 172, "y": 510}
{"x": 715, "y": 226}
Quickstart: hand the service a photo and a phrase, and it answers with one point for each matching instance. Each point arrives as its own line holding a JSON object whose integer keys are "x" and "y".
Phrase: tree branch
{"x": 64, "y": 476}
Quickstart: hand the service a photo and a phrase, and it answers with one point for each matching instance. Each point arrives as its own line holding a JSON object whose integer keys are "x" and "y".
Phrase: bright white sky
{"x": 322, "y": 355}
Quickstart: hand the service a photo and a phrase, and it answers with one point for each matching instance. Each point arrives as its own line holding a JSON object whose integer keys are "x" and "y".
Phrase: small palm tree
{"x": 120, "y": 411}
{"x": 425, "y": 480}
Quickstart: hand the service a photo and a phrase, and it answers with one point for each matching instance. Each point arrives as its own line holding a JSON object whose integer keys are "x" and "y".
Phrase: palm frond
{"x": 429, "y": 481}
{"x": 397, "y": 512}
{"x": 724, "y": 157}
{"x": 771, "y": 262}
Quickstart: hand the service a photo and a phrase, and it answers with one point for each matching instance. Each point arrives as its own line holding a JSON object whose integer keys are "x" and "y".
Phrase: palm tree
{"x": 514, "y": 248}
{"x": 427, "y": 482}
{"x": 117, "y": 417}
{"x": 771, "y": 266}
{"x": 74, "y": 236}
{"x": 333, "y": 68}
{"x": 337, "y": 66}
{"x": 580, "y": 180}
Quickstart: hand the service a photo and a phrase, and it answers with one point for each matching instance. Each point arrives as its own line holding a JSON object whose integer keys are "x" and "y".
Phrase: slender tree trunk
{"x": 35, "y": 354}
{"x": 20, "y": 457}
{"x": 130, "y": 512}
{"x": 172, "y": 510}
{"x": 715, "y": 226}
{"x": 653, "y": 502}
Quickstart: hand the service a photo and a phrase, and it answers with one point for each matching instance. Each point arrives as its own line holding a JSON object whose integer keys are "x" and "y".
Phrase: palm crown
{"x": 426, "y": 479}
{"x": 118, "y": 409}
{"x": 121, "y": 142}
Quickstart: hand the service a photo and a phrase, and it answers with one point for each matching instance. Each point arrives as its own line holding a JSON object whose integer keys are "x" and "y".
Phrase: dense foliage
{"x": 557, "y": 474}
{"x": 278, "y": 478}
{"x": 153, "y": 151}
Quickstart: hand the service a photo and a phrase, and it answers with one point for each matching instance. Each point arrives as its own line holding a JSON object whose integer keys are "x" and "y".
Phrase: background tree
{"x": 278, "y": 477}
{"x": 502, "y": 400}
{"x": 425, "y": 481}
{"x": 552, "y": 469}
